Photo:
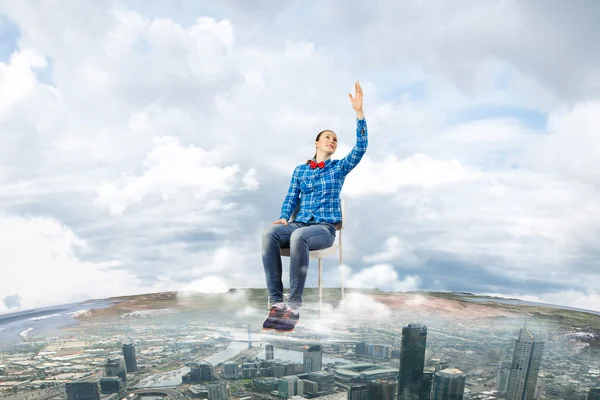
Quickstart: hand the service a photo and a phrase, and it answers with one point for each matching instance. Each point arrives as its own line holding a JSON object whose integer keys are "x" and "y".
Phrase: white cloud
{"x": 250, "y": 180}
{"x": 571, "y": 145}
{"x": 41, "y": 263}
{"x": 160, "y": 141}
{"x": 584, "y": 300}
{"x": 391, "y": 174}
{"x": 18, "y": 80}
{"x": 383, "y": 277}
{"x": 169, "y": 168}
{"x": 394, "y": 249}
{"x": 209, "y": 284}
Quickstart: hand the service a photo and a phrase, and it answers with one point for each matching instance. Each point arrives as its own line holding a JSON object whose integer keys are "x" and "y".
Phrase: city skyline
{"x": 209, "y": 353}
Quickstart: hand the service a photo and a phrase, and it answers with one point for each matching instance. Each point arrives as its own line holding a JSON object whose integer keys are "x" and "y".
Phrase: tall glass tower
{"x": 412, "y": 361}
{"x": 129, "y": 356}
{"x": 527, "y": 358}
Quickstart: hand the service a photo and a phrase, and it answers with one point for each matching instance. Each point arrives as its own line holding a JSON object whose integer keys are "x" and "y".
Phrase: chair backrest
{"x": 339, "y": 226}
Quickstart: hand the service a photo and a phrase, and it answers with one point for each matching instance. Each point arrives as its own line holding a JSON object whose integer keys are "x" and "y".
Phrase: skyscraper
{"x": 502, "y": 377}
{"x": 129, "y": 355}
{"x": 426, "y": 384}
{"x": 381, "y": 390}
{"x": 358, "y": 391}
{"x": 218, "y": 391}
{"x": 269, "y": 351}
{"x": 200, "y": 371}
{"x": 448, "y": 384}
{"x": 594, "y": 394}
{"x": 114, "y": 367}
{"x": 313, "y": 358}
{"x": 527, "y": 358}
{"x": 231, "y": 370}
{"x": 412, "y": 361}
{"x": 82, "y": 391}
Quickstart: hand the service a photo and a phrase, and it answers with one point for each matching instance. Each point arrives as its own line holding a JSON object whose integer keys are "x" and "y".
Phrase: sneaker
{"x": 274, "y": 317}
{"x": 287, "y": 322}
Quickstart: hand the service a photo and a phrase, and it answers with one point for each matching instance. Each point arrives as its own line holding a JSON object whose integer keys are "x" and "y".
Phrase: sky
{"x": 145, "y": 145}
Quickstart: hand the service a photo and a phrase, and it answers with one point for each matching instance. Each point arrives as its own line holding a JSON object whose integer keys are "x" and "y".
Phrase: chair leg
{"x": 320, "y": 285}
{"x": 341, "y": 264}
{"x": 342, "y": 277}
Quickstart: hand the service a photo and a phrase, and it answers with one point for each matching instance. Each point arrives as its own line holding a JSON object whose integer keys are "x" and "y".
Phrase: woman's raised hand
{"x": 357, "y": 100}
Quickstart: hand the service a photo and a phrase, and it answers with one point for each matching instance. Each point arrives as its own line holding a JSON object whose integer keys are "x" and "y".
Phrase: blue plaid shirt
{"x": 319, "y": 189}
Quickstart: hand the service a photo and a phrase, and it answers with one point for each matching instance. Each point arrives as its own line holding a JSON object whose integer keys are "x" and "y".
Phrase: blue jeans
{"x": 300, "y": 237}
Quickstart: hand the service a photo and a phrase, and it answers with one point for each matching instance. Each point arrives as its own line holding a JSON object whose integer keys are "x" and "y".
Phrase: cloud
{"x": 383, "y": 277}
{"x": 156, "y": 142}
{"x": 18, "y": 80}
{"x": 586, "y": 300}
{"x": 168, "y": 169}
{"x": 390, "y": 175}
{"x": 394, "y": 249}
{"x": 571, "y": 145}
{"x": 41, "y": 257}
{"x": 250, "y": 180}
{"x": 209, "y": 284}
{"x": 11, "y": 302}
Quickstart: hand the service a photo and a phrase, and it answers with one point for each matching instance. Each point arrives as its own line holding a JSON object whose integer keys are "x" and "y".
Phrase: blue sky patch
{"x": 417, "y": 91}
{"x": 184, "y": 12}
{"x": 9, "y": 34}
{"x": 142, "y": 46}
{"x": 531, "y": 118}
{"x": 44, "y": 75}
{"x": 502, "y": 79}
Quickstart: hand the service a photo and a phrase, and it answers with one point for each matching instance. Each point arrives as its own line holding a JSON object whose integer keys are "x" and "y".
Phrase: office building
{"x": 448, "y": 384}
{"x": 231, "y": 370}
{"x": 358, "y": 391}
{"x": 412, "y": 361}
{"x": 288, "y": 386}
{"x": 114, "y": 367}
{"x": 502, "y": 378}
{"x": 526, "y": 362}
{"x": 199, "y": 372}
{"x": 427, "y": 383}
{"x": 129, "y": 356}
{"x": 381, "y": 390}
{"x": 313, "y": 358}
{"x": 218, "y": 391}
{"x": 82, "y": 391}
{"x": 269, "y": 352}
{"x": 111, "y": 385}
{"x": 594, "y": 394}
{"x": 360, "y": 348}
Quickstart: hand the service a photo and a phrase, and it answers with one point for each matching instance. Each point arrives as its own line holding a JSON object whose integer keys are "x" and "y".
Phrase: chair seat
{"x": 285, "y": 251}
{"x": 335, "y": 249}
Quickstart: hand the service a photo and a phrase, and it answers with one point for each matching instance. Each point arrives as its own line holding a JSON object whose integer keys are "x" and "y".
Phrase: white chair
{"x": 335, "y": 248}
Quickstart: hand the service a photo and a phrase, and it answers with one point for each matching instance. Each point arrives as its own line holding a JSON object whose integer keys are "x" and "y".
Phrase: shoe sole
{"x": 285, "y": 330}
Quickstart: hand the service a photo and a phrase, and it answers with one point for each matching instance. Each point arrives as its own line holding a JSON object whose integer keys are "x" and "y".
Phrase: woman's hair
{"x": 316, "y": 140}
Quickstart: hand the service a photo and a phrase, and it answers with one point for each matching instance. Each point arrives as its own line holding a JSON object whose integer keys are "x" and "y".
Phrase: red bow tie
{"x": 314, "y": 164}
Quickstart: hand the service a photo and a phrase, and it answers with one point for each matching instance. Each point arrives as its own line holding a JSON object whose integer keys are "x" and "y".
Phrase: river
{"x": 173, "y": 378}
{"x": 42, "y": 322}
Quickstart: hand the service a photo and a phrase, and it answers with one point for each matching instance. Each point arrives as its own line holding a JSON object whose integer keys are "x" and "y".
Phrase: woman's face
{"x": 327, "y": 142}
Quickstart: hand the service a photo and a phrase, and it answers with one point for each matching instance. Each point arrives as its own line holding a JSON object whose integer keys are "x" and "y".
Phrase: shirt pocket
{"x": 307, "y": 184}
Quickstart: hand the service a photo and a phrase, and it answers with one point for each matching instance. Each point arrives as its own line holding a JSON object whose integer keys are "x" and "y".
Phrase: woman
{"x": 316, "y": 184}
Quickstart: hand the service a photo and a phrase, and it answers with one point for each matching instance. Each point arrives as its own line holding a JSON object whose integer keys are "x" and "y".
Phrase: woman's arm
{"x": 360, "y": 148}
{"x": 289, "y": 204}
